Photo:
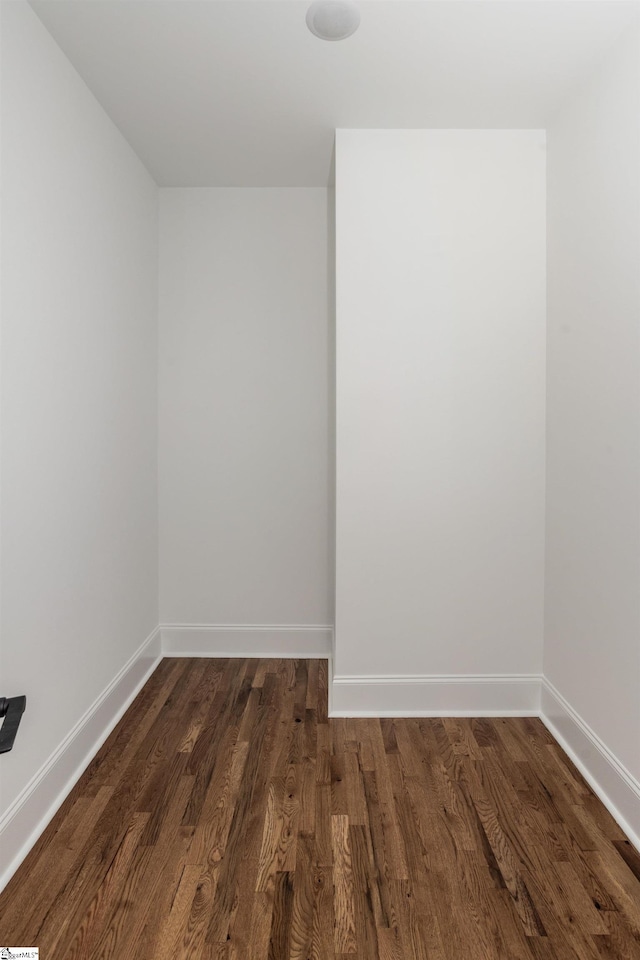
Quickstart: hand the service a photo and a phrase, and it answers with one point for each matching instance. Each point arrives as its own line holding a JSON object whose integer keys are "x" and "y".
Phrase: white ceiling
{"x": 239, "y": 93}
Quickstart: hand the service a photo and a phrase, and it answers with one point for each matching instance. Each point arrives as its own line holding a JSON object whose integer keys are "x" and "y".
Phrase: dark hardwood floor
{"x": 226, "y": 817}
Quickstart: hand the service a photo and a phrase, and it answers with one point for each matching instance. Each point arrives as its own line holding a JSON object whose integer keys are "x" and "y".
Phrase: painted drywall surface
{"x": 79, "y": 412}
{"x": 440, "y": 401}
{"x": 592, "y": 642}
{"x": 244, "y": 407}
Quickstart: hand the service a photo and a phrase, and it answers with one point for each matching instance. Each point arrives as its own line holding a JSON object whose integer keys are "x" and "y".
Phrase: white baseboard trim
{"x": 246, "y": 640}
{"x": 29, "y": 814}
{"x": 503, "y": 695}
{"x": 605, "y": 774}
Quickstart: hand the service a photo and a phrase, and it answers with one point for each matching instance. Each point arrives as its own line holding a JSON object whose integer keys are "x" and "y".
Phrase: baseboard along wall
{"x": 603, "y": 771}
{"x": 515, "y": 695}
{"x": 32, "y": 810}
{"x": 246, "y": 640}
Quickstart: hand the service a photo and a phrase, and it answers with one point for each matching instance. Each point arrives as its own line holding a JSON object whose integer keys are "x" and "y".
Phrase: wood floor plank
{"x": 227, "y": 817}
{"x": 303, "y": 900}
{"x": 279, "y": 940}
{"x": 344, "y": 930}
{"x": 323, "y": 915}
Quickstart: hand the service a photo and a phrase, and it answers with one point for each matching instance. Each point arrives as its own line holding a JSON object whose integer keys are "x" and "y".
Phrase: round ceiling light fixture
{"x": 333, "y": 19}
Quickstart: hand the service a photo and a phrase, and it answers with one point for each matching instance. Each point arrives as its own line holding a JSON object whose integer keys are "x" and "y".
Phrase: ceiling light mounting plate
{"x": 333, "y": 19}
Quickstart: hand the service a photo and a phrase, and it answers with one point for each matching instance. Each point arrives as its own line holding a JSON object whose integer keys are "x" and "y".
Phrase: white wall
{"x": 440, "y": 403}
{"x": 79, "y": 296}
{"x": 245, "y": 485}
{"x": 592, "y": 644}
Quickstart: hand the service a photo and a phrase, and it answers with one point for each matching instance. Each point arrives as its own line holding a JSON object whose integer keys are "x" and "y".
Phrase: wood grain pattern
{"x": 227, "y": 818}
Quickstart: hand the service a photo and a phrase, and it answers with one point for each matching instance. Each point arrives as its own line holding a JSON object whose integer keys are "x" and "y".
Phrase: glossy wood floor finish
{"x": 228, "y": 818}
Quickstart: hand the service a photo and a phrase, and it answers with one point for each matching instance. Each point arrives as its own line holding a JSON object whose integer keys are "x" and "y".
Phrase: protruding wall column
{"x": 440, "y": 420}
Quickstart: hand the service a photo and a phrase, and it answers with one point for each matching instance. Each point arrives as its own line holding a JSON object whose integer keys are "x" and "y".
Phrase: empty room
{"x": 320, "y": 479}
